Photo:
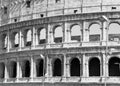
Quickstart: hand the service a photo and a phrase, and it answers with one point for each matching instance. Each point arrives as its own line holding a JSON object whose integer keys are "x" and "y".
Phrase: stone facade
{"x": 61, "y": 42}
{"x": 20, "y": 10}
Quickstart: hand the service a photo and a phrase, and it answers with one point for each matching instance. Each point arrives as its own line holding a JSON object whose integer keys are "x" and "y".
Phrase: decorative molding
{"x": 62, "y": 18}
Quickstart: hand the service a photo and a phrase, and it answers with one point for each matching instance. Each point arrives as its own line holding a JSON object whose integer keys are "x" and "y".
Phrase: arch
{"x": 94, "y": 32}
{"x": 94, "y": 67}
{"x": 58, "y": 34}
{"x": 12, "y": 69}
{"x": 114, "y": 66}
{"x": 42, "y": 36}
{"x": 26, "y": 68}
{"x": 16, "y": 39}
{"x": 75, "y": 67}
{"x": 2, "y": 70}
{"x": 40, "y": 67}
{"x": 114, "y": 32}
{"x": 76, "y": 33}
{"x": 5, "y": 41}
{"x": 57, "y": 68}
{"x": 28, "y": 37}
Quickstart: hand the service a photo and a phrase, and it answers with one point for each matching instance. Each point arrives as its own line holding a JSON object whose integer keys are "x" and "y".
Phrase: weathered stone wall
{"x": 83, "y": 50}
{"x": 17, "y": 10}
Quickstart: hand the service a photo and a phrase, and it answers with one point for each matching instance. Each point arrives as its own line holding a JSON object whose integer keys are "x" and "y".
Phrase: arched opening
{"x": 12, "y": 69}
{"x": 40, "y": 67}
{"x": 2, "y": 70}
{"x": 57, "y": 68}
{"x": 42, "y": 36}
{"x": 94, "y": 32}
{"x": 28, "y": 38}
{"x": 114, "y": 32}
{"x": 16, "y": 40}
{"x": 58, "y": 34}
{"x": 114, "y": 66}
{"x": 5, "y": 41}
{"x": 94, "y": 67}
{"x": 26, "y": 68}
{"x": 76, "y": 33}
{"x": 75, "y": 67}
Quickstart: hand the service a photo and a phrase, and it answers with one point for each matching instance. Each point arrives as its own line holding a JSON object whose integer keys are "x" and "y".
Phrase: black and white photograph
{"x": 59, "y": 42}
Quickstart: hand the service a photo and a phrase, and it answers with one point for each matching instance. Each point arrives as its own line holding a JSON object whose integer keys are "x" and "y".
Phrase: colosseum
{"x": 59, "y": 43}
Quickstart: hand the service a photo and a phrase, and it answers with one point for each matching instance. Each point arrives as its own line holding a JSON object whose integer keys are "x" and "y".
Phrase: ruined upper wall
{"x": 17, "y": 10}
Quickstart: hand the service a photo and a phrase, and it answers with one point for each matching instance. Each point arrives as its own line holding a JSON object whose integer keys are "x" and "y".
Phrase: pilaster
{"x": 67, "y": 63}
{"x": 63, "y": 30}
{"x": 50, "y": 67}
{"x": 64, "y": 67}
{"x": 18, "y": 69}
{"x": 50, "y": 34}
{"x": 47, "y": 67}
{"x": 33, "y": 37}
{"x": 105, "y": 65}
{"x": 67, "y": 32}
{"x": 32, "y": 71}
{"x": 8, "y": 41}
{"x": 85, "y": 31}
{"x": 47, "y": 33}
{"x": 20, "y": 39}
{"x": 104, "y": 31}
{"x": 85, "y": 66}
{"x": 6, "y": 70}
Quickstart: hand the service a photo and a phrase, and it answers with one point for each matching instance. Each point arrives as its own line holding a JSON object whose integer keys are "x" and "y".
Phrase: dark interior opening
{"x": 113, "y": 8}
{"x": 114, "y": 66}
{"x": 42, "y": 15}
{"x": 4, "y": 48}
{"x": 57, "y": 1}
{"x": 39, "y": 66}
{"x": 15, "y": 20}
{"x": 57, "y": 70}
{"x": 16, "y": 45}
{"x": 94, "y": 67}
{"x": 94, "y": 37}
{"x": 26, "y": 69}
{"x": 77, "y": 38}
{"x": 58, "y": 40}
{"x": 2, "y": 68}
{"x": 13, "y": 70}
{"x": 28, "y": 43}
{"x": 5, "y": 10}
{"x": 28, "y": 3}
{"x": 75, "y": 67}
{"x": 42, "y": 41}
{"x": 114, "y": 37}
{"x": 75, "y": 11}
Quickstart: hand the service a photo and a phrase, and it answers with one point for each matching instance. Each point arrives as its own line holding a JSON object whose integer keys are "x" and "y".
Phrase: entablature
{"x": 61, "y": 18}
